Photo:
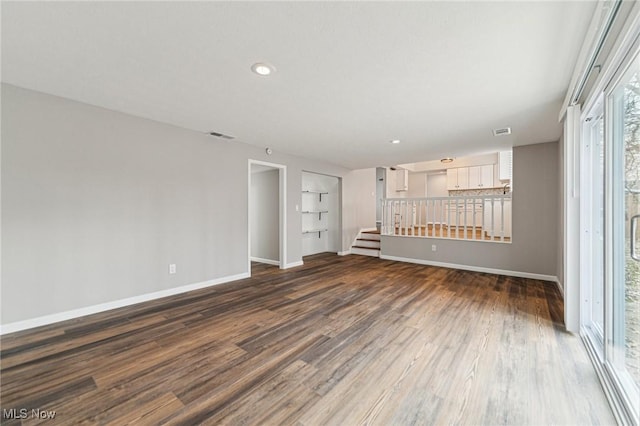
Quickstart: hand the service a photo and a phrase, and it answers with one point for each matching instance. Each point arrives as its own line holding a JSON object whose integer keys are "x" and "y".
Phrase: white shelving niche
{"x": 319, "y": 217}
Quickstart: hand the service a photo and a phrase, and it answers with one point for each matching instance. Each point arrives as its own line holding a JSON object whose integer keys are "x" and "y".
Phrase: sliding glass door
{"x": 610, "y": 235}
{"x": 623, "y": 248}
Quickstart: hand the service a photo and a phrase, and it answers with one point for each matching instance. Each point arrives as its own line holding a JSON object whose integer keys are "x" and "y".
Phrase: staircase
{"x": 367, "y": 244}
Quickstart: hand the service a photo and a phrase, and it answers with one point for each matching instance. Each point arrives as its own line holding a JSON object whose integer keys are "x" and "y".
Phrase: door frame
{"x": 589, "y": 221}
{"x": 282, "y": 204}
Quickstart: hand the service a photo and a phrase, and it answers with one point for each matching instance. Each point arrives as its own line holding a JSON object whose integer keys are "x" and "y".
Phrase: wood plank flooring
{"x": 339, "y": 341}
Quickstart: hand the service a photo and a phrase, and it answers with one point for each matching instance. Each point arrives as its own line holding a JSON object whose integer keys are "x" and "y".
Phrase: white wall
{"x": 417, "y": 185}
{"x": 96, "y": 204}
{"x": 535, "y": 224}
{"x": 437, "y": 185}
{"x": 265, "y": 215}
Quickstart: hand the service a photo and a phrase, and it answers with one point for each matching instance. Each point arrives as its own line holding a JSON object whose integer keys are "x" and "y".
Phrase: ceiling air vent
{"x": 221, "y": 135}
{"x": 501, "y": 132}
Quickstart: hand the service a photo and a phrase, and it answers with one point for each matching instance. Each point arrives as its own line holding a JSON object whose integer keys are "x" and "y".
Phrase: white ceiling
{"x": 350, "y": 76}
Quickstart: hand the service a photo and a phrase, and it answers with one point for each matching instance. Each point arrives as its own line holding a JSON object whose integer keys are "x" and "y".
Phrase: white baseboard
{"x": 293, "y": 264}
{"x": 560, "y": 287}
{"x": 89, "y": 310}
{"x": 344, "y": 253}
{"x": 267, "y": 261}
{"x": 530, "y": 275}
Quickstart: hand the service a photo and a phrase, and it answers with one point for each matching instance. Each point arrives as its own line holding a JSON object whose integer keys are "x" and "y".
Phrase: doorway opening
{"x": 267, "y": 214}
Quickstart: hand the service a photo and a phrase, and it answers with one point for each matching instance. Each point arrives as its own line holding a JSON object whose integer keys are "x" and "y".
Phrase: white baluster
{"x": 502, "y": 219}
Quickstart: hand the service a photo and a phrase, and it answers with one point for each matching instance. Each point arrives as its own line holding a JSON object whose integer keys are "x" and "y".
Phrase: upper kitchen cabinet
{"x": 458, "y": 178}
{"x": 505, "y": 165}
{"x": 481, "y": 177}
{"x": 402, "y": 180}
{"x": 476, "y": 177}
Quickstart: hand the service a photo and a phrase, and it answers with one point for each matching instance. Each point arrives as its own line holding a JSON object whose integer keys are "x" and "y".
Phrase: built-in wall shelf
{"x": 313, "y": 231}
{"x": 319, "y": 193}
{"x": 312, "y": 206}
{"x": 318, "y": 212}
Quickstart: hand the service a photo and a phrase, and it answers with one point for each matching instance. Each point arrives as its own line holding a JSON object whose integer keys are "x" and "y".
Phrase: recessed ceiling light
{"x": 262, "y": 68}
{"x": 395, "y": 141}
{"x": 447, "y": 160}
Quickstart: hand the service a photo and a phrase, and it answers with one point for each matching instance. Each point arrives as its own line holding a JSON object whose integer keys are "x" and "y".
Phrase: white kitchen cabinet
{"x": 505, "y": 168}
{"x": 497, "y": 219}
{"x": 402, "y": 180}
{"x": 458, "y": 178}
{"x": 481, "y": 177}
{"x": 461, "y": 216}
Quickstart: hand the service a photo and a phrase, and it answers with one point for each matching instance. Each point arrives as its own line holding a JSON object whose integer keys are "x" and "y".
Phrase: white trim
{"x": 267, "y": 261}
{"x": 293, "y": 264}
{"x": 89, "y": 310}
{"x": 606, "y": 12}
{"x": 571, "y": 236}
{"x": 624, "y": 43}
{"x": 344, "y": 253}
{"x": 282, "y": 190}
{"x": 530, "y": 275}
{"x": 613, "y": 397}
{"x": 560, "y": 287}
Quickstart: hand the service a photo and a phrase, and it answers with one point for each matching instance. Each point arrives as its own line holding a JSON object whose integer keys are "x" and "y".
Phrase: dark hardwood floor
{"x": 340, "y": 340}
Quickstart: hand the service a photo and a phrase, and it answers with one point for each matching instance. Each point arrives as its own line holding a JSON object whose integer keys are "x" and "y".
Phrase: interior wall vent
{"x": 503, "y": 131}
{"x": 221, "y": 135}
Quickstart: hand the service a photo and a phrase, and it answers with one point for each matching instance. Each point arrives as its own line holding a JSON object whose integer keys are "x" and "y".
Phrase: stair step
{"x": 367, "y": 243}
{"x": 365, "y": 251}
{"x": 369, "y": 235}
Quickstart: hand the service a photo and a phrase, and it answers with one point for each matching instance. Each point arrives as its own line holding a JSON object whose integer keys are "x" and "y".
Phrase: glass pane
{"x": 626, "y": 269}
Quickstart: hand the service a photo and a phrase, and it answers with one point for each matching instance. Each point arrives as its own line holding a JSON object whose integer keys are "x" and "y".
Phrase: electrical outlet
{"x": 172, "y": 268}
{"x": 433, "y": 247}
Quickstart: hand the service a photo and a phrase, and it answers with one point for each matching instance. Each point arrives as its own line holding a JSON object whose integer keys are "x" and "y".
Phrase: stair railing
{"x": 483, "y": 218}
